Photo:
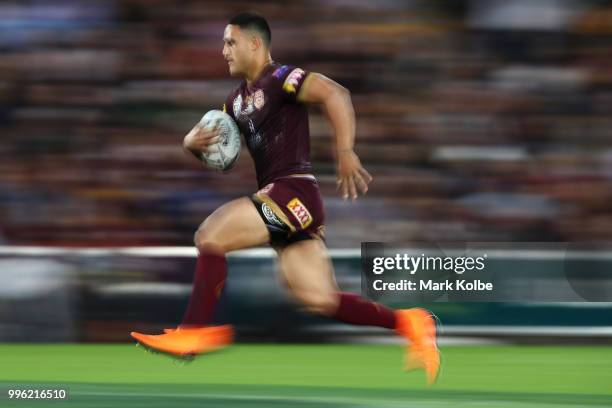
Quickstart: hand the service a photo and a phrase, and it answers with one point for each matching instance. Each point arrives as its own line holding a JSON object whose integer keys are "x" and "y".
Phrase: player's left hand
{"x": 352, "y": 177}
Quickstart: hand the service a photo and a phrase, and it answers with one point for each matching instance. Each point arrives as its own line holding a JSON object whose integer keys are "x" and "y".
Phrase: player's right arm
{"x": 199, "y": 139}
{"x": 337, "y": 106}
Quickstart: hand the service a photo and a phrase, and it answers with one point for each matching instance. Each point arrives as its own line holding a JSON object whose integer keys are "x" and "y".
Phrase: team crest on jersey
{"x": 237, "y": 105}
{"x": 293, "y": 79}
{"x": 300, "y": 212}
{"x": 248, "y": 109}
{"x": 259, "y": 99}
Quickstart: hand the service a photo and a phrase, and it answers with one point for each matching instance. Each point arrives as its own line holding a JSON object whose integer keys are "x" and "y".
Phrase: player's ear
{"x": 256, "y": 42}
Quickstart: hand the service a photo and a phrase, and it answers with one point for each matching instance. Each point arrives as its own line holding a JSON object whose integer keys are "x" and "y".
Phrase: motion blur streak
{"x": 480, "y": 120}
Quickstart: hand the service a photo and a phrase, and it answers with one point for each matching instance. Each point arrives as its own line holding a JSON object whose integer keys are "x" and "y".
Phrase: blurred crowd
{"x": 484, "y": 120}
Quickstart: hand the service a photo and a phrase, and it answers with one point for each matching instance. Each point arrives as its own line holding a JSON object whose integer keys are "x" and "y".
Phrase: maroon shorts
{"x": 292, "y": 209}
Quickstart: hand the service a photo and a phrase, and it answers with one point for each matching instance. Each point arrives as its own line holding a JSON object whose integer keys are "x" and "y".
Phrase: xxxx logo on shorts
{"x": 300, "y": 212}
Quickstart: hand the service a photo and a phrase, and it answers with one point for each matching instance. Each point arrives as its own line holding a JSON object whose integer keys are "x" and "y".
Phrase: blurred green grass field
{"x": 100, "y": 375}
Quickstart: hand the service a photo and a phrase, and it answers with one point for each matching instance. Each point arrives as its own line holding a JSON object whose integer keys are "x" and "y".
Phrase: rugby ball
{"x": 223, "y": 154}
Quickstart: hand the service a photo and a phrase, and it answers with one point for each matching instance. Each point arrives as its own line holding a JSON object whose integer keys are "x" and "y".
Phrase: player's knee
{"x": 206, "y": 241}
{"x": 320, "y": 303}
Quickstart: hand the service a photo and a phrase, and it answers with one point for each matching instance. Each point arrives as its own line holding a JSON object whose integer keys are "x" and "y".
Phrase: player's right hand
{"x": 199, "y": 139}
{"x": 352, "y": 177}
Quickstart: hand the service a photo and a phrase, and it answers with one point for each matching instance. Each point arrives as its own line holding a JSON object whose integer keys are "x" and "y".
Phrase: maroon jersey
{"x": 273, "y": 122}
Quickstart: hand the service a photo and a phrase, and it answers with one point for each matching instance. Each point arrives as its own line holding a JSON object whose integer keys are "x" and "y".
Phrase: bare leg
{"x": 308, "y": 271}
{"x": 308, "y": 274}
{"x": 235, "y": 225}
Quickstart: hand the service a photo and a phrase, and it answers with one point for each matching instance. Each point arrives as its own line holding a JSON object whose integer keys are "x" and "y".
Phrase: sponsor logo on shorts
{"x": 269, "y": 214}
{"x": 293, "y": 79}
{"x": 279, "y": 72}
{"x": 259, "y": 99}
{"x": 300, "y": 212}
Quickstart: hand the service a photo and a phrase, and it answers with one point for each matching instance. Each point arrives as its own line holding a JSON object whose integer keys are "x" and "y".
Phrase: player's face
{"x": 236, "y": 50}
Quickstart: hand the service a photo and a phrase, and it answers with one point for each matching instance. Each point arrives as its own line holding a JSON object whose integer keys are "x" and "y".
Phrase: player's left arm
{"x": 338, "y": 107}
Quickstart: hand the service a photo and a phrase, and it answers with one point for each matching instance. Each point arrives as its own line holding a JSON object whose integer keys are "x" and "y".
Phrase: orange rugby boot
{"x": 187, "y": 342}
{"x": 419, "y": 328}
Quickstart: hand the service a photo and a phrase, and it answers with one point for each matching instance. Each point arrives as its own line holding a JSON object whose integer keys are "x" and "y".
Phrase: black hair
{"x": 253, "y": 21}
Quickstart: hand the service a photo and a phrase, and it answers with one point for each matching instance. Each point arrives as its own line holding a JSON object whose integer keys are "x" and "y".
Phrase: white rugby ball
{"x": 223, "y": 154}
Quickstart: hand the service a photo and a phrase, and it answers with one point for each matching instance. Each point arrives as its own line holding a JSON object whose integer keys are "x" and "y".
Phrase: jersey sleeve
{"x": 289, "y": 81}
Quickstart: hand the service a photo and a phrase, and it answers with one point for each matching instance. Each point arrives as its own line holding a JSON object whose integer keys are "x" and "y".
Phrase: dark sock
{"x": 357, "y": 310}
{"x": 210, "y": 274}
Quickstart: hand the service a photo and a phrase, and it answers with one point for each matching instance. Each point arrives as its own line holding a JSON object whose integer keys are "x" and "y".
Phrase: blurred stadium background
{"x": 481, "y": 120}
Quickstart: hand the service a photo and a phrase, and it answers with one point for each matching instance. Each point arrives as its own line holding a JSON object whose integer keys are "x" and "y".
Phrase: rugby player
{"x": 270, "y": 108}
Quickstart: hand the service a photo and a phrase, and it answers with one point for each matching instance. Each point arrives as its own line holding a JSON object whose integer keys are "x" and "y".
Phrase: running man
{"x": 270, "y": 109}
